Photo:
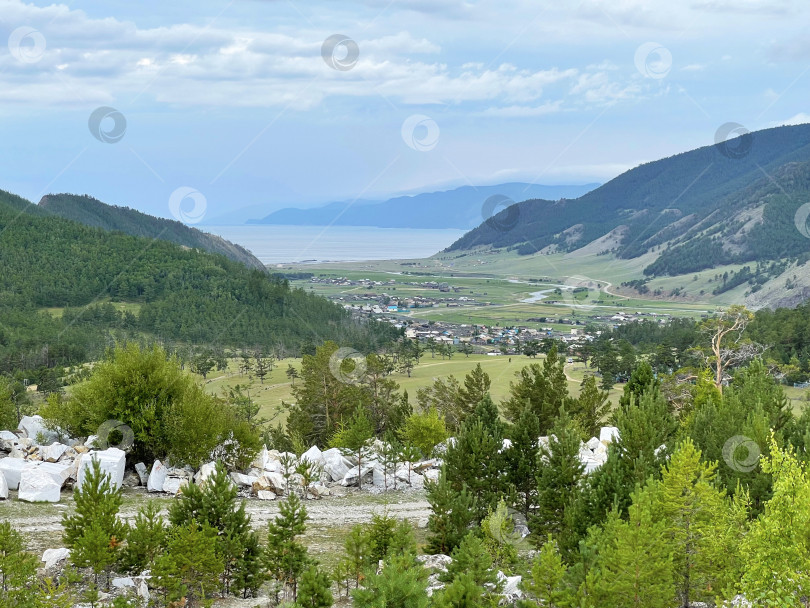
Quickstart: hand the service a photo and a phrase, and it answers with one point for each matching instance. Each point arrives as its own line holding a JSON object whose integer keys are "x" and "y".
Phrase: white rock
{"x": 424, "y": 465}
{"x": 52, "y": 557}
{"x": 90, "y": 442}
{"x": 266, "y": 495}
{"x": 60, "y": 472}
{"x": 157, "y": 477}
{"x": 511, "y": 586}
{"x": 352, "y": 478}
{"x": 34, "y": 428}
{"x": 123, "y": 582}
{"x": 38, "y": 486}
{"x": 271, "y": 481}
{"x": 173, "y": 485}
{"x": 3, "y": 487}
{"x": 313, "y": 455}
{"x": 591, "y": 466}
{"x": 206, "y": 470}
{"x": 112, "y": 460}
{"x": 7, "y": 440}
{"x": 379, "y": 478}
{"x": 506, "y": 444}
{"x": 243, "y": 480}
{"x": 53, "y": 452}
{"x": 436, "y": 562}
{"x": 318, "y": 490}
{"x": 608, "y": 434}
{"x": 140, "y": 469}
{"x": 11, "y": 469}
{"x": 272, "y": 466}
{"x": 8, "y": 436}
{"x": 335, "y": 464}
{"x": 592, "y": 443}
{"x": 432, "y": 475}
{"x": 415, "y": 480}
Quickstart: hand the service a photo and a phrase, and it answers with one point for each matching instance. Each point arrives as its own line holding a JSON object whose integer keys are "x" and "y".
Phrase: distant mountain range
{"x": 91, "y": 212}
{"x": 462, "y": 208}
{"x": 716, "y": 196}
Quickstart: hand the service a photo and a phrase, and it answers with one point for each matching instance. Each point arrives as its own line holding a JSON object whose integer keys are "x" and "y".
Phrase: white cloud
{"x": 798, "y": 119}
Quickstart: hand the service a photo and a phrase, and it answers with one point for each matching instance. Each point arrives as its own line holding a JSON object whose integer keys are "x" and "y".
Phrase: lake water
{"x": 284, "y": 244}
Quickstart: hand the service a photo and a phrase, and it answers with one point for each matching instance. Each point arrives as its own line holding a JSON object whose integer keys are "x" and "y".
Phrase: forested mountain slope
{"x": 92, "y": 212}
{"x": 183, "y": 294}
{"x": 669, "y": 201}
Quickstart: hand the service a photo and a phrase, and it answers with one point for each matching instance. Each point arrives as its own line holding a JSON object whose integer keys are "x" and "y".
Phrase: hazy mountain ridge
{"x": 669, "y": 201}
{"x": 92, "y": 212}
{"x": 460, "y": 208}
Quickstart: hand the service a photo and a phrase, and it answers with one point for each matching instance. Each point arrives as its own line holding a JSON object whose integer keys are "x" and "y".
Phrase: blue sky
{"x": 235, "y": 100}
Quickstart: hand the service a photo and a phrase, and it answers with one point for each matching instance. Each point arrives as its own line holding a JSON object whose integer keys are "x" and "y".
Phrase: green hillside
{"x": 650, "y": 205}
{"x": 184, "y": 294}
{"x": 91, "y": 212}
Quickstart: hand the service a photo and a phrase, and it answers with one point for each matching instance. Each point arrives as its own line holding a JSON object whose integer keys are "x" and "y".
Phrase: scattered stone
{"x": 38, "y": 486}
{"x": 511, "y": 586}
{"x": 156, "y": 478}
{"x": 266, "y": 495}
{"x": 12, "y": 469}
{"x": 60, "y": 472}
{"x": 424, "y": 465}
{"x": 432, "y": 475}
{"x": 335, "y": 465}
{"x": 353, "y": 477}
{"x": 131, "y": 480}
{"x": 81, "y": 449}
{"x": 274, "y": 482}
{"x": 112, "y": 460}
{"x": 437, "y": 563}
{"x": 33, "y": 427}
{"x": 3, "y": 487}
{"x": 173, "y": 485}
{"x": 206, "y": 470}
{"x": 244, "y": 481}
{"x": 90, "y": 442}
{"x": 123, "y": 582}
{"x": 608, "y": 434}
{"x": 433, "y": 584}
{"x": 313, "y": 455}
{"x": 52, "y": 557}
{"x": 592, "y": 443}
{"x": 53, "y": 452}
{"x": 140, "y": 469}
{"x": 318, "y": 490}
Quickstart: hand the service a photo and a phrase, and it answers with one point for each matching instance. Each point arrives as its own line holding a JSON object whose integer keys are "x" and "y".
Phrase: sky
{"x": 195, "y": 109}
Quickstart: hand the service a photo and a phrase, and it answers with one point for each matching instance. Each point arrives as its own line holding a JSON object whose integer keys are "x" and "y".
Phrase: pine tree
{"x": 692, "y": 511}
{"x": 500, "y": 538}
{"x": 591, "y": 407}
{"x": 215, "y": 504}
{"x": 463, "y": 592}
{"x": 452, "y": 514}
{"x": 635, "y": 567}
{"x": 146, "y": 539}
{"x": 475, "y": 459}
{"x": 471, "y": 558}
{"x": 314, "y": 591}
{"x": 18, "y": 569}
{"x": 190, "y": 567}
{"x": 353, "y": 437}
{"x": 96, "y": 550}
{"x": 642, "y": 380}
{"x": 248, "y": 570}
{"x": 543, "y": 388}
{"x": 357, "y": 558}
{"x": 474, "y": 390}
{"x": 520, "y": 461}
{"x": 97, "y": 503}
{"x": 547, "y": 574}
{"x": 402, "y": 583}
{"x": 558, "y": 480}
{"x": 285, "y": 557}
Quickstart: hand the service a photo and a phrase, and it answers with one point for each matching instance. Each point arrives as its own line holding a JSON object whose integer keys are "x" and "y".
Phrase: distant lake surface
{"x": 285, "y": 244}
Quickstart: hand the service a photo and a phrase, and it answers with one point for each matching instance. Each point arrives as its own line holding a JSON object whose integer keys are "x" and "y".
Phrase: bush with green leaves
{"x": 170, "y": 415}
{"x": 425, "y": 430}
{"x": 286, "y": 558}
